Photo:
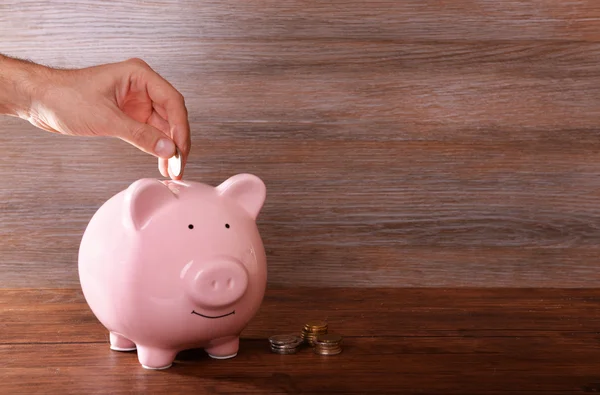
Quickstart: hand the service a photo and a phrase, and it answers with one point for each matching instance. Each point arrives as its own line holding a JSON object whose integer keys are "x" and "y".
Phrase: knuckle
{"x": 137, "y": 132}
{"x": 137, "y": 62}
{"x": 180, "y": 99}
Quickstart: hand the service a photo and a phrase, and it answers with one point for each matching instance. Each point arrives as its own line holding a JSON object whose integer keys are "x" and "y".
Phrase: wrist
{"x": 20, "y": 85}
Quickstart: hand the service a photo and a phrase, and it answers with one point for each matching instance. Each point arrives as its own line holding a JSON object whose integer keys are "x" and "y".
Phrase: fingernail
{"x": 165, "y": 148}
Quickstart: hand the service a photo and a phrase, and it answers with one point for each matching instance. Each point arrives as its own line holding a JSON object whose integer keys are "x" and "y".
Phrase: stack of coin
{"x": 313, "y": 329}
{"x": 328, "y": 344}
{"x": 285, "y": 344}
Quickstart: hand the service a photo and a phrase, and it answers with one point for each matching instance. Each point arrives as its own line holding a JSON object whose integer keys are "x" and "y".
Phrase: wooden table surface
{"x": 417, "y": 341}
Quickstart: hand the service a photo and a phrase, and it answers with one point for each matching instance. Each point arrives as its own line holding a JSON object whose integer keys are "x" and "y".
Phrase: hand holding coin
{"x": 127, "y": 100}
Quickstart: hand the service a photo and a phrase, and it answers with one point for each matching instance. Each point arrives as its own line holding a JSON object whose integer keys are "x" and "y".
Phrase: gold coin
{"x": 325, "y": 349}
{"x": 327, "y": 352}
{"x": 316, "y": 324}
{"x": 327, "y": 345}
{"x": 316, "y": 330}
{"x": 329, "y": 338}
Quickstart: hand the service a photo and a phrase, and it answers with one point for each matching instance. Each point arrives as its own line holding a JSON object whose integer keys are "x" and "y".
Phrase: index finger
{"x": 171, "y": 101}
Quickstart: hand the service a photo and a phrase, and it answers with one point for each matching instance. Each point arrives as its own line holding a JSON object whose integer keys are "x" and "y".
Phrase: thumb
{"x": 147, "y": 138}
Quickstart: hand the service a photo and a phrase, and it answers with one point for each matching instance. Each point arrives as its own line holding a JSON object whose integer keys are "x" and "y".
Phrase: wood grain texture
{"x": 151, "y": 21}
{"x": 402, "y": 143}
{"x": 426, "y": 341}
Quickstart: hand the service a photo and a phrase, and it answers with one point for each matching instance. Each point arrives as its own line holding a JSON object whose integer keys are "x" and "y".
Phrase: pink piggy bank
{"x": 172, "y": 265}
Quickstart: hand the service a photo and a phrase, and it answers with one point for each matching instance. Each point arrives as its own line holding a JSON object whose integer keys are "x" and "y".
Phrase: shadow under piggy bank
{"x": 252, "y": 370}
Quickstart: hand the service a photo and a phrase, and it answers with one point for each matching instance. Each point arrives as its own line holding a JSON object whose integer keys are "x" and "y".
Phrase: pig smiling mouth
{"x": 213, "y": 317}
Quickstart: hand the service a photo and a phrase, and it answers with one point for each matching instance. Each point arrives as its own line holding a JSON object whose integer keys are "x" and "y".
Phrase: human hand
{"x": 127, "y": 100}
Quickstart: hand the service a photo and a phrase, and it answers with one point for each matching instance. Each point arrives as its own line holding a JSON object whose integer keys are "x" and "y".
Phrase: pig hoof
{"x": 222, "y": 357}
{"x": 162, "y": 368}
{"x": 223, "y": 348}
{"x": 155, "y": 358}
{"x": 120, "y": 343}
{"x": 115, "y": 348}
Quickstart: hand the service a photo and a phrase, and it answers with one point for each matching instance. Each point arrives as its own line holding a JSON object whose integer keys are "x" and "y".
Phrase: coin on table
{"x": 288, "y": 345}
{"x": 283, "y": 339}
{"x": 284, "y": 351}
{"x": 175, "y": 163}
{"x": 322, "y": 351}
{"x": 329, "y": 338}
{"x": 316, "y": 325}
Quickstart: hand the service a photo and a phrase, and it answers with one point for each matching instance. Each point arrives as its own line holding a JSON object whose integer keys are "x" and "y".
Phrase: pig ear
{"x": 142, "y": 199}
{"x": 247, "y": 190}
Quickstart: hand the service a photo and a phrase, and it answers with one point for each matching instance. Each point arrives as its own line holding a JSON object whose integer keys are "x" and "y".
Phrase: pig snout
{"x": 217, "y": 283}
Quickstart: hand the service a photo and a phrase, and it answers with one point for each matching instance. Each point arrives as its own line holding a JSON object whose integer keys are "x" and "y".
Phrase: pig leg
{"x": 224, "y": 347}
{"x": 156, "y": 358}
{"x": 120, "y": 343}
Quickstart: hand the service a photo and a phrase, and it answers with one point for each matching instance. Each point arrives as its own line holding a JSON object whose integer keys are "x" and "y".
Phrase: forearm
{"x": 18, "y": 81}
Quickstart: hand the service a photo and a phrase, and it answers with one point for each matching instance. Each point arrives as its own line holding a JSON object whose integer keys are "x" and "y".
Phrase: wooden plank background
{"x": 403, "y": 143}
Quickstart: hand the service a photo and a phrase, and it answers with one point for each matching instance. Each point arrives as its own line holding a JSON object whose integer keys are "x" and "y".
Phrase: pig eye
{"x": 227, "y": 226}
{"x": 191, "y": 226}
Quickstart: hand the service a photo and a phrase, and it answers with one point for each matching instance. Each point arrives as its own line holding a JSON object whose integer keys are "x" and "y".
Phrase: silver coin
{"x": 284, "y": 350}
{"x": 175, "y": 163}
{"x": 284, "y": 339}
{"x": 290, "y": 345}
